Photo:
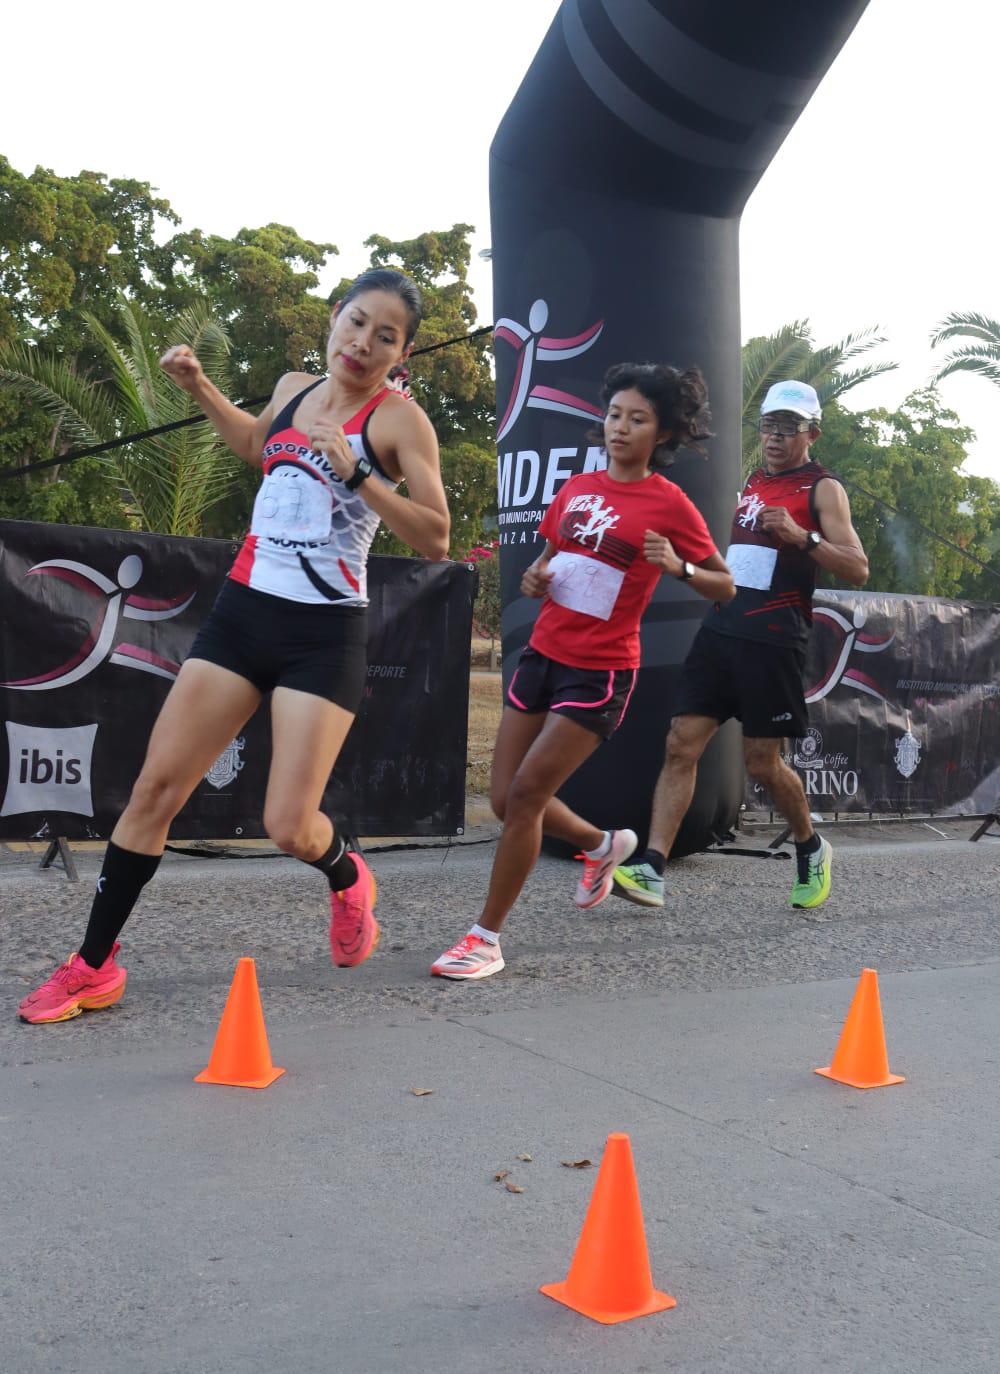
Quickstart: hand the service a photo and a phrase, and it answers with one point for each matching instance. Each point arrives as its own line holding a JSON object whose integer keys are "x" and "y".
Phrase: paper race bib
{"x": 293, "y": 505}
{"x": 752, "y": 565}
{"x": 585, "y": 584}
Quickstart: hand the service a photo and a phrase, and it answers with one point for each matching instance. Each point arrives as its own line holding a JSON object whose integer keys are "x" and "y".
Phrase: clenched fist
{"x": 776, "y": 520}
{"x": 326, "y": 437}
{"x": 182, "y": 366}
{"x": 536, "y": 579}
{"x": 658, "y": 550}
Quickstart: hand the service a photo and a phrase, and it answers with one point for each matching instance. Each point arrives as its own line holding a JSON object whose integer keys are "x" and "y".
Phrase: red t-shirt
{"x": 590, "y": 615}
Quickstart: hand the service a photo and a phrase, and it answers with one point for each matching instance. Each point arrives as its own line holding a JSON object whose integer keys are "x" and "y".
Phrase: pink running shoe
{"x": 472, "y": 957}
{"x": 354, "y": 931}
{"x": 599, "y": 874}
{"x": 73, "y": 988}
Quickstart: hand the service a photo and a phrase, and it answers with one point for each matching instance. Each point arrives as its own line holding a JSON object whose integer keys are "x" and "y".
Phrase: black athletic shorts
{"x": 274, "y": 642}
{"x": 595, "y": 698}
{"x": 759, "y": 684}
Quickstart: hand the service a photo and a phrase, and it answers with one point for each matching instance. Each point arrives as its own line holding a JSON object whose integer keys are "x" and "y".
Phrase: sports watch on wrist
{"x": 686, "y": 573}
{"x": 362, "y": 469}
{"x": 813, "y": 541}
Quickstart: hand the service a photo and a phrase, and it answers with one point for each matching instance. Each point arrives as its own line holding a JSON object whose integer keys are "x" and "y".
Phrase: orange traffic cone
{"x": 860, "y": 1059}
{"x": 610, "y": 1278}
{"x": 241, "y": 1057}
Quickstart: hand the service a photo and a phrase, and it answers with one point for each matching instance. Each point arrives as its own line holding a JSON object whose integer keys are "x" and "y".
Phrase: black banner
{"x": 904, "y": 706}
{"x": 95, "y": 626}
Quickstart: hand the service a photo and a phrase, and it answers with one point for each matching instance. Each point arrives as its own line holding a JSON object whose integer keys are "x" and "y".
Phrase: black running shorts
{"x": 595, "y": 698}
{"x": 274, "y": 642}
{"x": 759, "y": 684}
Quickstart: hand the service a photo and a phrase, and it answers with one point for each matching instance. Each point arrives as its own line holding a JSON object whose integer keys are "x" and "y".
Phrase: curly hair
{"x": 680, "y": 400}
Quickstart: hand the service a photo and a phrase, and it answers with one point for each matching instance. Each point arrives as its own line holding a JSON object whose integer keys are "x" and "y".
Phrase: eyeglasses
{"x": 785, "y": 429}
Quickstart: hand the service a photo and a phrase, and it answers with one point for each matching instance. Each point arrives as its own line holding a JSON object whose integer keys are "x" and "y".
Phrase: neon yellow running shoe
{"x": 814, "y": 889}
{"x": 639, "y": 882}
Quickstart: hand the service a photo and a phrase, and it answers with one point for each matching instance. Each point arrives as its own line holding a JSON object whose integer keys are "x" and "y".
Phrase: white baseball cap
{"x": 798, "y": 397}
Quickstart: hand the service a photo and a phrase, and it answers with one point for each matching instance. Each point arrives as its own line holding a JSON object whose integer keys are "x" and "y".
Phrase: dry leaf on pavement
{"x": 577, "y": 1163}
{"x": 421, "y": 1092}
{"x": 499, "y": 1178}
{"x": 513, "y": 1187}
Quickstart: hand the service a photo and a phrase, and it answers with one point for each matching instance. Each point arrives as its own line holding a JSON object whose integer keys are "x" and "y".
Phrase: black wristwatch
{"x": 686, "y": 573}
{"x": 362, "y": 469}
{"x": 813, "y": 541}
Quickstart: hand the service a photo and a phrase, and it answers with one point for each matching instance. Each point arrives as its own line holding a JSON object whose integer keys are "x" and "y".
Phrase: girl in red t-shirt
{"x": 609, "y": 537}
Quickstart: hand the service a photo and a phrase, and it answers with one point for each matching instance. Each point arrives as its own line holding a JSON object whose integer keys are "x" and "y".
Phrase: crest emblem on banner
{"x": 227, "y": 765}
{"x": 907, "y": 755}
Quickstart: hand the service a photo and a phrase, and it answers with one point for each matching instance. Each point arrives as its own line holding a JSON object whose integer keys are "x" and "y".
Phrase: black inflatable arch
{"x": 617, "y": 179}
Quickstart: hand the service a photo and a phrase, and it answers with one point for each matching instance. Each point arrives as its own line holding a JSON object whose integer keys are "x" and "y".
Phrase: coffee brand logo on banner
{"x": 824, "y": 775}
{"x": 526, "y": 479}
{"x": 49, "y": 769}
{"x": 848, "y": 637}
{"x": 225, "y": 768}
{"x": 114, "y": 603}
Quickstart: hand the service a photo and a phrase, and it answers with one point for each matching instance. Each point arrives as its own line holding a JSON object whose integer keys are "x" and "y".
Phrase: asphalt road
{"x": 338, "y": 1222}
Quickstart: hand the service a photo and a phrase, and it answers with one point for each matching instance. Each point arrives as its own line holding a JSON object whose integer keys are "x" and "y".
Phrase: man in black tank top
{"x": 792, "y": 519}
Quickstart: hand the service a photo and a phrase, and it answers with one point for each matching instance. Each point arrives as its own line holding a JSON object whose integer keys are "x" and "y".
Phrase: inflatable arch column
{"x": 617, "y": 179}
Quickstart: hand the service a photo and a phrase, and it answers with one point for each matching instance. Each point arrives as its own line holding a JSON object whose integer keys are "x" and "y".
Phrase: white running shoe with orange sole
{"x": 472, "y": 957}
{"x": 599, "y": 874}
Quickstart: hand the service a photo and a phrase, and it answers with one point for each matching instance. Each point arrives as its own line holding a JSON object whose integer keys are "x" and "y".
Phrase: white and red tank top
{"x": 309, "y": 536}
{"x": 774, "y": 581}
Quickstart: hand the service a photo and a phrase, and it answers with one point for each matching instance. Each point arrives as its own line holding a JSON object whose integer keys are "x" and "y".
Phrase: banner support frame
{"x": 59, "y": 849}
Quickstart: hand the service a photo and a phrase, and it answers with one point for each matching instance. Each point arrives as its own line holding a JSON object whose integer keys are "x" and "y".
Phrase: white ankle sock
{"x": 492, "y": 937}
{"x": 601, "y": 849}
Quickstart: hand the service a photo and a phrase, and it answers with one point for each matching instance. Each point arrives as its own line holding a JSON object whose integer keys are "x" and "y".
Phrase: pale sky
{"x": 345, "y": 120}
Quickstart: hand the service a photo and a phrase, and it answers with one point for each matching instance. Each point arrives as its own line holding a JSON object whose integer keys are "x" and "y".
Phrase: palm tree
{"x": 791, "y": 353}
{"x": 172, "y": 480}
{"x": 982, "y": 357}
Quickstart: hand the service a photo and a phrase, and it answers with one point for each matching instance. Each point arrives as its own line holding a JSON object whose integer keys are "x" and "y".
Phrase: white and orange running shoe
{"x": 472, "y": 957}
{"x": 75, "y": 987}
{"x": 599, "y": 874}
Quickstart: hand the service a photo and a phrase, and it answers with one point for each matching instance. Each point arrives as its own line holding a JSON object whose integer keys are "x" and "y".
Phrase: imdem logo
{"x": 48, "y": 769}
{"x": 528, "y": 479}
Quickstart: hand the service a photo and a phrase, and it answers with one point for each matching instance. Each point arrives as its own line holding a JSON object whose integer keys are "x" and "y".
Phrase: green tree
{"x": 791, "y": 353}
{"x": 70, "y": 245}
{"x": 259, "y": 284}
{"x": 172, "y": 481}
{"x": 912, "y": 459}
{"x": 982, "y": 356}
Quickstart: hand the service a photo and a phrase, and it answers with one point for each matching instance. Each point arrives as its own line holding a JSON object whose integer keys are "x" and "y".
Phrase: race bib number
{"x": 585, "y": 584}
{"x": 293, "y": 505}
{"x": 752, "y": 565}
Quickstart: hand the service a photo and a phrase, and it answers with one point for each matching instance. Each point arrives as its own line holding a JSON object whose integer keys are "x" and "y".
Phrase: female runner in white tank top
{"x": 290, "y": 620}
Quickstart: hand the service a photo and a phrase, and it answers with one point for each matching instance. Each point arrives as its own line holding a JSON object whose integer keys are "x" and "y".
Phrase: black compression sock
{"x": 340, "y": 869}
{"x": 654, "y": 858}
{"x": 803, "y": 848}
{"x": 123, "y": 876}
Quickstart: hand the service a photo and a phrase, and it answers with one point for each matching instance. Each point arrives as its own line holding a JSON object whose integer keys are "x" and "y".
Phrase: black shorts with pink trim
{"x": 595, "y": 698}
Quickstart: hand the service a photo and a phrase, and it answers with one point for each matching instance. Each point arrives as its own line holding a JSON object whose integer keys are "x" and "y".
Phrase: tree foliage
{"x": 172, "y": 481}
{"x": 73, "y": 249}
{"x": 981, "y": 356}
{"x": 912, "y": 459}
